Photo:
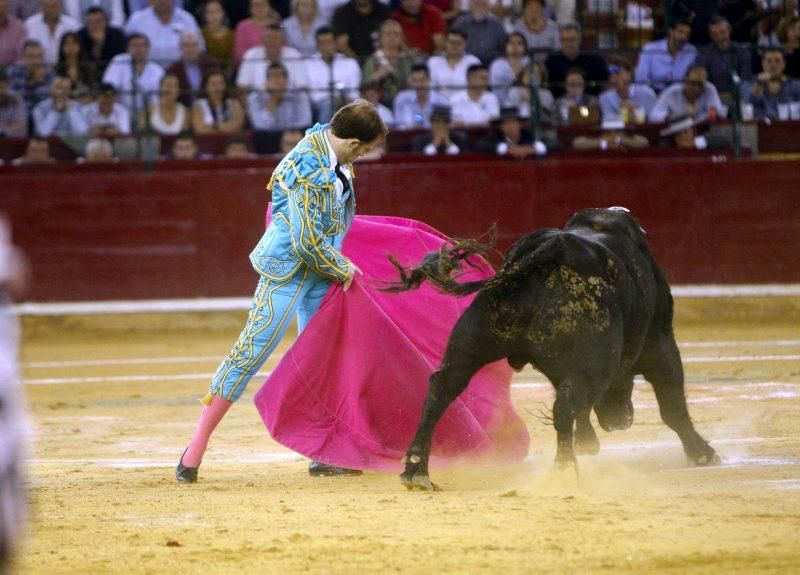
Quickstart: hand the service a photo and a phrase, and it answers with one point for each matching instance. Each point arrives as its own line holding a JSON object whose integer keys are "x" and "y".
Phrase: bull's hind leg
{"x": 445, "y": 385}
{"x": 614, "y": 407}
{"x": 662, "y": 367}
{"x": 571, "y": 402}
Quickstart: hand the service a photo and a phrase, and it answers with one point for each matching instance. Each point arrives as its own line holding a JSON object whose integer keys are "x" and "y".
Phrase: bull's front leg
{"x": 445, "y": 385}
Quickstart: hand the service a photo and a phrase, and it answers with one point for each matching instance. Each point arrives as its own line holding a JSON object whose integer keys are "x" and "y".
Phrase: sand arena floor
{"x": 113, "y": 409}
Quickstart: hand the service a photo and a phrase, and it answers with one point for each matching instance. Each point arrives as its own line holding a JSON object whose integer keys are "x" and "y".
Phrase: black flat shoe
{"x": 186, "y": 474}
{"x": 319, "y": 469}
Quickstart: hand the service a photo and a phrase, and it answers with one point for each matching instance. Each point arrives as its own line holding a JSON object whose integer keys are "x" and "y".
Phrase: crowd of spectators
{"x": 107, "y": 69}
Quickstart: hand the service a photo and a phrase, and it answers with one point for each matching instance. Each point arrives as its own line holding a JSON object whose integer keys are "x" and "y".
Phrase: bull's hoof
{"x": 586, "y": 442}
{"x": 707, "y": 459}
{"x": 419, "y": 481}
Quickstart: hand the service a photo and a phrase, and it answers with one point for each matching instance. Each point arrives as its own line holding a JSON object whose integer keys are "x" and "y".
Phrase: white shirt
{"x": 119, "y": 117}
{"x": 39, "y": 31}
{"x": 469, "y": 112}
{"x": 338, "y": 185}
{"x": 120, "y": 75}
{"x": 346, "y": 72}
{"x": 253, "y": 70}
{"x": 165, "y": 39}
{"x": 77, "y": 9}
{"x": 446, "y": 80}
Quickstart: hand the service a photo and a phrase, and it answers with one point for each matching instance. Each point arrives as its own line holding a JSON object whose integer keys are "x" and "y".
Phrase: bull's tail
{"x": 439, "y": 268}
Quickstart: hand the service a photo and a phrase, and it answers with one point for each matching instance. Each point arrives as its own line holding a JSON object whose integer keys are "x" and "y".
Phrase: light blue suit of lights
{"x": 297, "y": 258}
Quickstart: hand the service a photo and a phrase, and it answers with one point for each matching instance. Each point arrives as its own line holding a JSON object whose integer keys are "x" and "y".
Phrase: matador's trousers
{"x": 271, "y": 311}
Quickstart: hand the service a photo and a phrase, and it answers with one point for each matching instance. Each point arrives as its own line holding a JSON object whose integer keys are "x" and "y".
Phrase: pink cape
{"x": 349, "y": 392}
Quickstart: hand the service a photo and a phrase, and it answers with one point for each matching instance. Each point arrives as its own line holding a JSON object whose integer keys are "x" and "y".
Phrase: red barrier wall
{"x": 185, "y": 230}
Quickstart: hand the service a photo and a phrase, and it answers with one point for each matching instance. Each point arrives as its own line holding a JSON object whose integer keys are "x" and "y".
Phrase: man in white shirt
{"x": 695, "y": 97}
{"x": 253, "y": 70}
{"x": 475, "y": 106}
{"x": 114, "y": 10}
{"x": 449, "y": 72}
{"x": 48, "y": 26}
{"x": 163, "y": 25}
{"x": 132, "y": 74}
{"x": 106, "y": 117}
{"x": 278, "y": 108}
{"x": 333, "y": 78}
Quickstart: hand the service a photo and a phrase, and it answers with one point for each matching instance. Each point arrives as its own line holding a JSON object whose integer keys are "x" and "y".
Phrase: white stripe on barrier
{"x": 126, "y": 378}
{"x": 243, "y": 303}
{"x": 130, "y": 361}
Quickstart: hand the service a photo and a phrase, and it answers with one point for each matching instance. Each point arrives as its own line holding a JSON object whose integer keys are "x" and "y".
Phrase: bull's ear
{"x": 620, "y": 209}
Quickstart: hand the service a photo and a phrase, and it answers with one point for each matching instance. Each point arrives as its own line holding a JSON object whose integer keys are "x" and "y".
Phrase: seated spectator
{"x": 13, "y": 111}
{"x": 192, "y": 67}
{"x": 58, "y": 115}
{"x": 413, "y": 107}
{"x": 301, "y": 27}
{"x": 37, "y": 152}
{"x": 355, "y": 24}
{"x": 595, "y": 69}
{"x": 24, "y": 9}
{"x": 423, "y": 26}
{"x": 113, "y": 9}
{"x": 666, "y": 61}
{"x": 506, "y": 71}
{"x": 772, "y": 89}
{"x": 135, "y": 78}
{"x": 279, "y": 107}
{"x": 98, "y": 150}
{"x": 31, "y": 78}
{"x": 289, "y": 139}
{"x": 185, "y": 148}
{"x": 73, "y": 63}
{"x": 237, "y": 148}
{"x": 614, "y": 137}
{"x": 166, "y": 115}
{"x": 252, "y": 73}
{"x": 371, "y": 92}
{"x": 391, "y": 63}
{"x": 450, "y": 8}
{"x": 106, "y": 117}
{"x": 683, "y": 133}
{"x": 509, "y": 138}
{"x": 163, "y": 23}
{"x": 475, "y": 106}
{"x": 249, "y": 32}
{"x": 100, "y": 41}
{"x": 449, "y": 71}
{"x": 723, "y": 57}
{"x": 217, "y": 112}
{"x": 333, "y": 78}
{"x": 540, "y": 32}
{"x": 217, "y": 35}
{"x": 486, "y": 37}
{"x": 694, "y": 97}
{"x": 789, "y": 35}
{"x": 520, "y": 95}
{"x": 626, "y": 101}
{"x": 441, "y": 140}
{"x": 575, "y": 99}
{"x": 48, "y": 26}
{"x": 742, "y": 16}
{"x": 12, "y": 36}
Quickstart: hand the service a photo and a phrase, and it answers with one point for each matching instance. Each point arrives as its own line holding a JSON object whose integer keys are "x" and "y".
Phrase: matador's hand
{"x": 353, "y": 271}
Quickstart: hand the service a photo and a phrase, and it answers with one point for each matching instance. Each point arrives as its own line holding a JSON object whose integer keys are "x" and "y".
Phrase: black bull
{"x": 588, "y": 307}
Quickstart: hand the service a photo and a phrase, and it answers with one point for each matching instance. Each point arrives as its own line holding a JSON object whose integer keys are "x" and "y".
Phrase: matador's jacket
{"x": 309, "y": 219}
{"x": 298, "y": 257}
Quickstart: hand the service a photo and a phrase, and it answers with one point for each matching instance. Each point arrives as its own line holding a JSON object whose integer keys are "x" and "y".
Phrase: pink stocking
{"x": 209, "y": 419}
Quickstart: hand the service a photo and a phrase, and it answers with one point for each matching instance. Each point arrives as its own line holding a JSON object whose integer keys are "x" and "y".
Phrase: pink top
{"x": 12, "y": 37}
{"x": 248, "y": 34}
{"x": 349, "y": 392}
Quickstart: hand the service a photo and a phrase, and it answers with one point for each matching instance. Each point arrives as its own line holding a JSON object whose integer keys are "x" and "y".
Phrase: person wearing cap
{"x": 441, "y": 140}
{"x": 695, "y": 97}
{"x": 107, "y": 117}
{"x": 625, "y": 100}
{"x": 509, "y": 138}
{"x": 613, "y": 137}
{"x": 683, "y": 133}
